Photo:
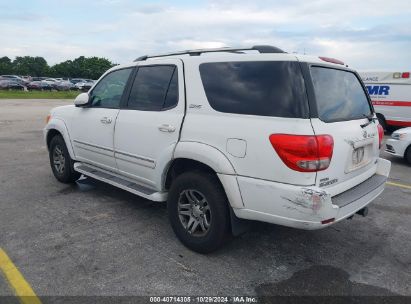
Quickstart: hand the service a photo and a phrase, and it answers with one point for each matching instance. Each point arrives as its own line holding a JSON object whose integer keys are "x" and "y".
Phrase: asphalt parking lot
{"x": 93, "y": 239}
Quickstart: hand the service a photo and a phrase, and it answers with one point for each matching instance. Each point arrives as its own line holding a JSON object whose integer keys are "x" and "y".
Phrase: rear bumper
{"x": 306, "y": 207}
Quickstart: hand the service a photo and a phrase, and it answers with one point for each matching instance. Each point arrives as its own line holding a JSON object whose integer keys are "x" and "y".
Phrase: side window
{"x": 172, "y": 94}
{"x": 155, "y": 88}
{"x": 107, "y": 93}
{"x": 264, "y": 88}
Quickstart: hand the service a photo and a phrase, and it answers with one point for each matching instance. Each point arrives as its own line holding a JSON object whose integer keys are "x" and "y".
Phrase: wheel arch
{"x": 228, "y": 183}
{"x": 206, "y": 154}
{"x": 180, "y": 165}
{"x": 58, "y": 127}
{"x": 190, "y": 156}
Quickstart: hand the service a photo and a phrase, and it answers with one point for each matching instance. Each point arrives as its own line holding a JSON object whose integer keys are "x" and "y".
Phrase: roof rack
{"x": 260, "y": 48}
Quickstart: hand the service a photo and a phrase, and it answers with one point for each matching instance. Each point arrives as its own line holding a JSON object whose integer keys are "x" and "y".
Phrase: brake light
{"x": 304, "y": 153}
{"x": 332, "y": 60}
{"x": 380, "y": 135}
{"x": 405, "y": 75}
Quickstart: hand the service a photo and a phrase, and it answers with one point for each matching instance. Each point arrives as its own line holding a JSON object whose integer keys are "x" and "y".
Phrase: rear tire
{"x": 61, "y": 162}
{"x": 198, "y": 211}
{"x": 407, "y": 155}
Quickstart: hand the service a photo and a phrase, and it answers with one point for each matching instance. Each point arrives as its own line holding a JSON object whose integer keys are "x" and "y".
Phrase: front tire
{"x": 61, "y": 162}
{"x": 198, "y": 211}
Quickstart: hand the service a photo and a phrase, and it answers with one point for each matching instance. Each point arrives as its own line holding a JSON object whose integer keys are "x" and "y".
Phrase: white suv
{"x": 227, "y": 134}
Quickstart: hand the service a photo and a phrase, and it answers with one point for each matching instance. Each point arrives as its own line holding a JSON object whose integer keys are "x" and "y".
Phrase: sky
{"x": 365, "y": 34}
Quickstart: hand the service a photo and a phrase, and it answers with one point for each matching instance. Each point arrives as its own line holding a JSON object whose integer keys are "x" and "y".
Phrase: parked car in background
{"x": 7, "y": 84}
{"x": 76, "y": 80}
{"x": 38, "y": 78}
{"x": 400, "y": 144}
{"x": 14, "y": 78}
{"x": 64, "y": 86}
{"x": 59, "y": 84}
{"x": 39, "y": 86}
{"x": 84, "y": 86}
{"x": 50, "y": 80}
{"x": 27, "y": 78}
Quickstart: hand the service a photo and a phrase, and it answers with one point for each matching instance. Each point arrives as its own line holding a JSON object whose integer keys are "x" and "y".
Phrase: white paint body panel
{"x": 259, "y": 186}
{"x": 58, "y": 124}
{"x": 142, "y": 150}
{"x": 347, "y": 136}
{"x": 92, "y": 140}
{"x": 206, "y": 154}
{"x": 294, "y": 206}
{"x": 206, "y": 125}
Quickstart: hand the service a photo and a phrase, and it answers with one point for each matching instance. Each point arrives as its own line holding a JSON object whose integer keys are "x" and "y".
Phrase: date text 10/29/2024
{"x": 205, "y": 299}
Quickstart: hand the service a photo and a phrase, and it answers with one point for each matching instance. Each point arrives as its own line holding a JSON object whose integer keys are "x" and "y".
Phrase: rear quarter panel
{"x": 259, "y": 159}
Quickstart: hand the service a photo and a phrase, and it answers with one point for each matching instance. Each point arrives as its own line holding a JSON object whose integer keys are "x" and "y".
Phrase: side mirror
{"x": 81, "y": 100}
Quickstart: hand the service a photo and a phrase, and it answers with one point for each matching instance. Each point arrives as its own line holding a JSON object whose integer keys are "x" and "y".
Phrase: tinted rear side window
{"x": 172, "y": 93}
{"x": 266, "y": 88}
{"x": 339, "y": 95}
{"x": 155, "y": 88}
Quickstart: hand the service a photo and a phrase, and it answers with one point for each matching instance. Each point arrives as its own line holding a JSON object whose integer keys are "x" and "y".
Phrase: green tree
{"x": 63, "y": 69}
{"x": 81, "y": 67}
{"x": 33, "y": 66}
{"x": 94, "y": 67}
{"x": 6, "y": 66}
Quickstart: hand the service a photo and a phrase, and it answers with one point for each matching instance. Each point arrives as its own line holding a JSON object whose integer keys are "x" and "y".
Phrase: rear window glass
{"x": 339, "y": 95}
{"x": 266, "y": 88}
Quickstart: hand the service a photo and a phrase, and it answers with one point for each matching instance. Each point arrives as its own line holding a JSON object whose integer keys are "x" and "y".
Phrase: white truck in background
{"x": 390, "y": 93}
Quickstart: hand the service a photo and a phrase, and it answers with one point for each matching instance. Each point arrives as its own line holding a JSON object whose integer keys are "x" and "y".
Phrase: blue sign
{"x": 378, "y": 90}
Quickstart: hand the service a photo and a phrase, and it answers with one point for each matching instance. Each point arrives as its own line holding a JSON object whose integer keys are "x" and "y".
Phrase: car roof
{"x": 254, "y": 53}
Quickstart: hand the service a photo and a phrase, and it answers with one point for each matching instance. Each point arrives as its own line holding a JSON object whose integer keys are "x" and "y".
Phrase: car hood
{"x": 62, "y": 110}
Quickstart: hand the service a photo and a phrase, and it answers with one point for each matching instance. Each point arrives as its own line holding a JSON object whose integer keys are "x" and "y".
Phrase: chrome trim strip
{"x": 94, "y": 151}
{"x": 135, "y": 156}
{"x": 91, "y": 145}
{"x": 136, "y": 162}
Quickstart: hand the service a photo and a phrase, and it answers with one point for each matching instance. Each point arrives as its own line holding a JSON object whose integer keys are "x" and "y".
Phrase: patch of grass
{"x": 38, "y": 94}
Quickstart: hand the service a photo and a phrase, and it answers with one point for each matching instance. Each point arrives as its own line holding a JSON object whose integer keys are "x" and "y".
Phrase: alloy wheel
{"x": 194, "y": 212}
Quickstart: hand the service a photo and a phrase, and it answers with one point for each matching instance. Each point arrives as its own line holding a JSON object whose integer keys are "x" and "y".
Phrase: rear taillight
{"x": 304, "y": 153}
{"x": 380, "y": 135}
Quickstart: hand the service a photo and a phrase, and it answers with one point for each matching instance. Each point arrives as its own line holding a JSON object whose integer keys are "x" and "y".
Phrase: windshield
{"x": 339, "y": 94}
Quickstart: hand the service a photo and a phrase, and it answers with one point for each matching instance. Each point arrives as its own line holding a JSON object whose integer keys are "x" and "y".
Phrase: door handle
{"x": 106, "y": 120}
{"x": 167, "y": 128}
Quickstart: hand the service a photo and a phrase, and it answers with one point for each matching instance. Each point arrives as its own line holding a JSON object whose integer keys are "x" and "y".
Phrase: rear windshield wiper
{"x": 370, "y": 118}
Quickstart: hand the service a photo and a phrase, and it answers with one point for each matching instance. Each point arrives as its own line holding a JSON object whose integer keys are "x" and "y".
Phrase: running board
{"x": 120, "y": 182}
